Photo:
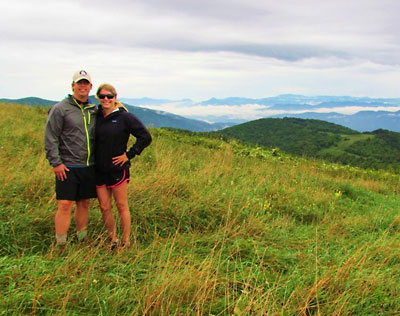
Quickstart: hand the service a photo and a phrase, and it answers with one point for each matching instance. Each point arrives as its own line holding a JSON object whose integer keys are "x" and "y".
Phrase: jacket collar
{"x": 75, "y": 102}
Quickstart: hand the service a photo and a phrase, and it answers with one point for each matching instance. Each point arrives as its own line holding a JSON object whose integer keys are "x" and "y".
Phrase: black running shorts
{"x": 113, "y": 178}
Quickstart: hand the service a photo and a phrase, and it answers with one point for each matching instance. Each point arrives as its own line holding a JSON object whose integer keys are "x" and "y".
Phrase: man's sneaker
{"x": 81, "y": 236}
{"x": 59, "y": 249}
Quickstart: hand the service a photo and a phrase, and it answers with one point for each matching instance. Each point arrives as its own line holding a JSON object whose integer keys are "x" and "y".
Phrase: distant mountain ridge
{"x": 149, "y": 117}
{"x": 33, "y": 101}
{"x": 304, "y": 101}
{"x": 306, "y": 107}
{"x": 155, "y": 118}
{"x": 371, "y": 116}
{"x": 150, "y": 101}
{"x": 363, "y": 121}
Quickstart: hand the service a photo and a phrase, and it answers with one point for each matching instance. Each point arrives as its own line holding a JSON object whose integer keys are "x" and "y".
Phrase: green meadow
{"x": 219, "y": 228}
{"x": 342, "y": 145}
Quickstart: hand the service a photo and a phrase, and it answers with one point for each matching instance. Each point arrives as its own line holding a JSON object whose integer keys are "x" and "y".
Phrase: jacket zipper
{"x": 87, "y": 136}
{"x": 85, "y": 121}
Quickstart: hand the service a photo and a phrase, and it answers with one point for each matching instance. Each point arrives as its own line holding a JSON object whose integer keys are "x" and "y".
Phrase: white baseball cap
{"x": 81, "y": 74}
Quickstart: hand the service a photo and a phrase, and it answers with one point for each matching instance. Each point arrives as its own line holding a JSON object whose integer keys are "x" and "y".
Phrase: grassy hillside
{"x": 319, "y": 139}
{"x": 220, "y": 229}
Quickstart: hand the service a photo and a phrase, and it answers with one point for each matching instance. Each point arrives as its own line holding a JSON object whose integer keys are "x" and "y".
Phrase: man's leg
{"x": 82, "y": 218}
{"x": 62, "y": 220}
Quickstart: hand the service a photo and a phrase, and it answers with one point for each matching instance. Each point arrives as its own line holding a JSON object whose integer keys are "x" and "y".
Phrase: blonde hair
{"x": 110, "y": 88}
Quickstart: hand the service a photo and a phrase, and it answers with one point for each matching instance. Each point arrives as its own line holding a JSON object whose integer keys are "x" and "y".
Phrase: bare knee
{"x": 122, "y": 206}
{"x": 83, "y": 204}
{"x": 105, "y": 208}
{"x": 65, "y": 206}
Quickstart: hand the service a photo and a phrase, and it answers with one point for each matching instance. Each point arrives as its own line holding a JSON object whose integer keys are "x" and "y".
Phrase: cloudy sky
{"x": 200, "y": 49}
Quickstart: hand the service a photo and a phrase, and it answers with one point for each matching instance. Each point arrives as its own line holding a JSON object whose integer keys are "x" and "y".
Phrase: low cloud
{"x": 253, "y": 111}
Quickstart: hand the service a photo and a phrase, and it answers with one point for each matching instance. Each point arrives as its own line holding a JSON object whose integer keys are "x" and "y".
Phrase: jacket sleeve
{"x": 143, "y": 136}
{"x": 54, "y": 126}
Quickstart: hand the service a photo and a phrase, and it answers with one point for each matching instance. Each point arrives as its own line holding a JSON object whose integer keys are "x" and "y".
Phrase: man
{"x": 69, "y": 145}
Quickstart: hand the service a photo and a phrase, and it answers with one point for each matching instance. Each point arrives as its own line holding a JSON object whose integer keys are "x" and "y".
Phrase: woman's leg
{"x": 121, "y": 200}
{"x": 104, "y": 196}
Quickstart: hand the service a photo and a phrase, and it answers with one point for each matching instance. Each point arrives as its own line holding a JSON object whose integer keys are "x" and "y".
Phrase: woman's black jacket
{"x": 112, "y": 134}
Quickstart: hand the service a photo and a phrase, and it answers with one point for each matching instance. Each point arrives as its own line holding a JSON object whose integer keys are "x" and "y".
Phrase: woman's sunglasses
{"x": 108, "y": 96}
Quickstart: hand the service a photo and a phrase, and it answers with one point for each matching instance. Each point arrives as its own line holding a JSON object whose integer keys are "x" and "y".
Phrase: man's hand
{"x": 60, "y": 172}
{"x": 120, "y": 160}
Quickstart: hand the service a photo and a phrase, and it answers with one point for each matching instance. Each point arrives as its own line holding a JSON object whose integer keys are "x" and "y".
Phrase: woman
{"x": 113, "y": 127}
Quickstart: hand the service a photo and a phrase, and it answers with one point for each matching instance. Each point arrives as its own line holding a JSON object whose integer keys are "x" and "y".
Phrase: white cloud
{"x": 201, "y": 49}
{"x": 250, "y": 112}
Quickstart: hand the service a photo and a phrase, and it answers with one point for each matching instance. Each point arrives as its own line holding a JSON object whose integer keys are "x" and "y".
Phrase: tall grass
{"x": 219, "y": 229}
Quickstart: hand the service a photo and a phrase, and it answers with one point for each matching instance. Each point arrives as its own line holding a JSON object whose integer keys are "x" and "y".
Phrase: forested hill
{"x": 293, "y": 135}
{"x": 313, "y": 138}
{"x": 32, "y": 101}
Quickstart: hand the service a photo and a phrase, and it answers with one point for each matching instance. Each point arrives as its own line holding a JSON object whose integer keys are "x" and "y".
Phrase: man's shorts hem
{"x": 80, "y": 184}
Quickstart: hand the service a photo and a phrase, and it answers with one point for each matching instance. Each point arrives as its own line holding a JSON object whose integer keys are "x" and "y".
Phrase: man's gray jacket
{"x": 70, "y": 134}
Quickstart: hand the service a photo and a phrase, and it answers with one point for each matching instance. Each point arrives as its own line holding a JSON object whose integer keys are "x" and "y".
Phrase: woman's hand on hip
{"x": 120, "y": 160}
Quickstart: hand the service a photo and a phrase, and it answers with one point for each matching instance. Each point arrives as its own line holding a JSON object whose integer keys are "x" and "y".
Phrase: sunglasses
{"x": 108, "y": 96}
